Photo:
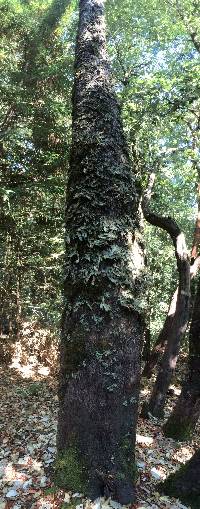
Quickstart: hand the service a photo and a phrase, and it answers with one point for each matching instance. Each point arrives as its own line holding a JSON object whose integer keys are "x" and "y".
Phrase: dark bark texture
{"x": 160, "y": 344}
{"x": 186, "y": 413}
{"x": 185, "y": 483}
{"x": 102, "y": 323}
{"x": 180, "y": 319}
{"x": 146, "y": 344}
{"x": 168, "y": 362}
{"x": 159, "y": 347}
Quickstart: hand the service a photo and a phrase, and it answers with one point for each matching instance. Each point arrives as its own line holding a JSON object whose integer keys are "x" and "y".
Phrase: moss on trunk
{"x": 185, "y": 483}
{"x": 102, "y": 322}
{"x": 70, "y": 471}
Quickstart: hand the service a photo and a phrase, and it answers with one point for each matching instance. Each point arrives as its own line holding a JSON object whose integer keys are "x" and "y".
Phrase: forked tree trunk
{"x": 168, "y": 363}
{"x": 174, "y": 335}
{"x": 160, "y": 345}
{"x": 185, "y": 483}
{"x": 186, "y": 413}
{"x": 155, "y": 405}
{"x": 101, "y": 332}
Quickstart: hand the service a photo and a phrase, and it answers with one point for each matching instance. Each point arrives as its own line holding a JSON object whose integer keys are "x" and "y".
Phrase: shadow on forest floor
{"x": 28, "y": 419}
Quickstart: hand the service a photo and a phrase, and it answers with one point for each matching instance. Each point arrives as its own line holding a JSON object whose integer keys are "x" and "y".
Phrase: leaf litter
{"x": 28, "y": 422}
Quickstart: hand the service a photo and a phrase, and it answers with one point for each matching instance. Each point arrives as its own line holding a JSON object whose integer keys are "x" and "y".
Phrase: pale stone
{"x": 67, "y": 498}
{"x": 11, "y": 493}
{"x": 155, "y": 473}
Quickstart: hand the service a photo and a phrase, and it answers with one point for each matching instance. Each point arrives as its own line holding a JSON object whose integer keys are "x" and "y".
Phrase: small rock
{"x": 77, "y": 495}
{"x": 46, "y": 505}
{"x": 115, "y": 505}
{"x": 24, "y": 461}
{"x": 143, "y": 439}
{"x": 30, "y": 449}
{"x": 155, "y": 473}
{"x": 79, "y": 506}
{"x": 37, "y": 494}
{"x": 11, "y": 493}
{"x": 67, "y": 498}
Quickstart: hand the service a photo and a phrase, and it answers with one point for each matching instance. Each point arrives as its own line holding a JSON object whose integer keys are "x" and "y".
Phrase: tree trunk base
{"x": 185, "y": 483}
{"x": 70, "y": 474}
{"x": 148, "y": 410}
{"x": 177, "y": 430}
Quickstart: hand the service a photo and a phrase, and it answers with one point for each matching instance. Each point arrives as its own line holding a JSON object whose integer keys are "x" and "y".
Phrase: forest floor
{"x": 29, "y": 407}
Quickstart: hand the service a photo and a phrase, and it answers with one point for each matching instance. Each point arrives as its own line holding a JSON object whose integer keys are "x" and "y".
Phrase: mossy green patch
{"x": 129, "y": 468}
{"x": 70, "y": 472}
{"x": 50, "y": 491}
{"x": 178, "y": 430}
{"x": 172, "y": 488}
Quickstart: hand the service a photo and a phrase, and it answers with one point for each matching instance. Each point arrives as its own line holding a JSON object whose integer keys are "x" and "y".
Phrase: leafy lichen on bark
{"x": 103, "y": 274}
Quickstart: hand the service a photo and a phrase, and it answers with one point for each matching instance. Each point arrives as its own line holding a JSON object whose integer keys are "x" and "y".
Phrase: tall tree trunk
{"x": 185, "y": 483}
{"x": 102, "y": 326}
{"x": 186, "y": 413}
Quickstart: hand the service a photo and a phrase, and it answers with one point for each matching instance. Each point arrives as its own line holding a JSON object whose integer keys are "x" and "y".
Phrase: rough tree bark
{"x": 159, "y": 346}
{"x": 102, "y": 324}
{"x": 186, "y": 413}
{"x": 168, "y": 363}
{"x": 185, "y": 483}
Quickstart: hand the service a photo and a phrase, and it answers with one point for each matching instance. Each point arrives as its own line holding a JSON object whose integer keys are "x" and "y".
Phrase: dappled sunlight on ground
{"x": 28, "y": 419}
{"x": 30, "y": 370}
